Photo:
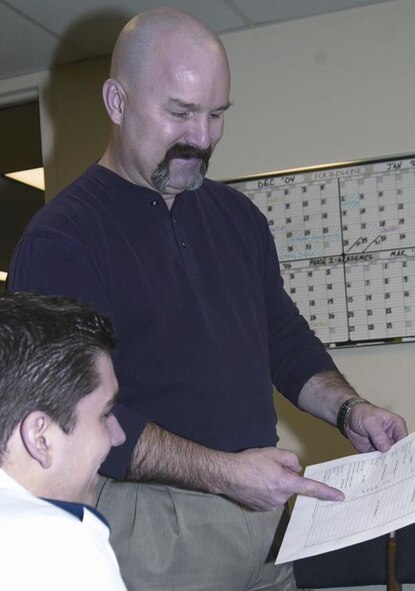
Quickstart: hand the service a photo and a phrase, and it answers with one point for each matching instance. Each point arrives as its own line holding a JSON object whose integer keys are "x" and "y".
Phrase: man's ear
{"x": 114, "y": 99}
{"x": 36, "y": 432}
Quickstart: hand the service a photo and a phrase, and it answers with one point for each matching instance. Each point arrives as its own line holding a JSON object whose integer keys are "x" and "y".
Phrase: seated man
{"x": 57, "y": 389}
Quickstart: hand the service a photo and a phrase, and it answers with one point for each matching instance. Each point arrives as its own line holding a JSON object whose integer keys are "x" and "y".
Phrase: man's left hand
{"x": 373, "y": 428}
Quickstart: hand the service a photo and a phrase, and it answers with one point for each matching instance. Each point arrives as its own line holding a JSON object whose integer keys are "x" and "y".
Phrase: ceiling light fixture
{"x": 35, "y": 177}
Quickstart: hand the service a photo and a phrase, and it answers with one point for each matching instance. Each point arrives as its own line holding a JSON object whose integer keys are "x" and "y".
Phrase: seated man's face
{"x": 79, "y": 454}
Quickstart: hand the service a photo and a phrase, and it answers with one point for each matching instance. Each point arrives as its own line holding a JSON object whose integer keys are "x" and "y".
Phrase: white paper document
{"x": 380, "y": 498}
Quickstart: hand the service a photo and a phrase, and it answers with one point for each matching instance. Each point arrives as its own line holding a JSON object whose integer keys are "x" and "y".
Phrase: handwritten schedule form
{"x": 380, "y": 498}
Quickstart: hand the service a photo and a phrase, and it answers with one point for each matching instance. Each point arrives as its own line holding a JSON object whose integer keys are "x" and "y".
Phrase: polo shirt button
{"x": 184, "y": 244}
{"x": 154, "y": 203}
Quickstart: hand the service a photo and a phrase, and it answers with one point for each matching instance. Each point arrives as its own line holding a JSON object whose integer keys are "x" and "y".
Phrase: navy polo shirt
{"x": 196, "y": 296}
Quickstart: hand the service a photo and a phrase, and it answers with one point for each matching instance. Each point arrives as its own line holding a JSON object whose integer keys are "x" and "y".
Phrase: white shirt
{"x": 46, "y": 548}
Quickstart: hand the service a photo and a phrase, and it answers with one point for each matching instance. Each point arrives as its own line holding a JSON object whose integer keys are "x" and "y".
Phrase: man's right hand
{"x": 266, "y": 478}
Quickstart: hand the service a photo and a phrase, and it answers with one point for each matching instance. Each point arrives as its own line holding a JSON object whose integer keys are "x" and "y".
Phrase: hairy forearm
{"x": 324, "y": 393}
{"x": 262, "y": 478}
{"x": 161, "y": 456}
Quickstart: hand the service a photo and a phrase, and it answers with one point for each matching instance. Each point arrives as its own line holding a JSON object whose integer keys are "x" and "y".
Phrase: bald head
{"x": 167, "y": 95}
{"x": 151, "y": 31}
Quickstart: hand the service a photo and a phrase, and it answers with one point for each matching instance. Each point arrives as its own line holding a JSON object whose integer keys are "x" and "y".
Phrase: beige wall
{"x": 80, "y": 124}
{"x": 326, "y": 89}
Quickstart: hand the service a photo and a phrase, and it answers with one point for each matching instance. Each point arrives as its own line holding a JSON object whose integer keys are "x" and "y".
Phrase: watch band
{"x": 344, "y": 412}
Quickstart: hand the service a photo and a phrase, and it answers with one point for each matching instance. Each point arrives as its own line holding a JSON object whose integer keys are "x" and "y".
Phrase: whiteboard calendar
{"x": 345, "y": 237}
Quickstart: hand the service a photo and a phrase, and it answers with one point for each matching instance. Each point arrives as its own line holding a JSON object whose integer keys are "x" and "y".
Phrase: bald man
{"x": 187, "y": 269}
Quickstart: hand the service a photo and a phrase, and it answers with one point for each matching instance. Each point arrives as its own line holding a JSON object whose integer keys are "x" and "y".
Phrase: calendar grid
{"x": 345, "y": 237}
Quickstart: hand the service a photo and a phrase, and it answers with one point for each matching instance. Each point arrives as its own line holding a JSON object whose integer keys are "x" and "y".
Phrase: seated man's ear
{"x": 36, "y": 432}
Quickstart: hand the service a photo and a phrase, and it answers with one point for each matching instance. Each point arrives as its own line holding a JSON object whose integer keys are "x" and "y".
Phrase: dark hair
{"x": 48, "y": 352}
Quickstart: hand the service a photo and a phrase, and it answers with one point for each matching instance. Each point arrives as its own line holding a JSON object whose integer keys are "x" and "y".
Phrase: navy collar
{"x": 77, "y": 509}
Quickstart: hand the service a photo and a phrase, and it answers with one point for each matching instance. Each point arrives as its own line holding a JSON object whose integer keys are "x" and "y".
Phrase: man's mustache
{"x": 160, "y": 177}
{"x": 186, "y": 152}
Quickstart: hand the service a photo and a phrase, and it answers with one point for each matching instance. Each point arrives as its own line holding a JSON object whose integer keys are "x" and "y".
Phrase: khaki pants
{"x": 169, "y": 539}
